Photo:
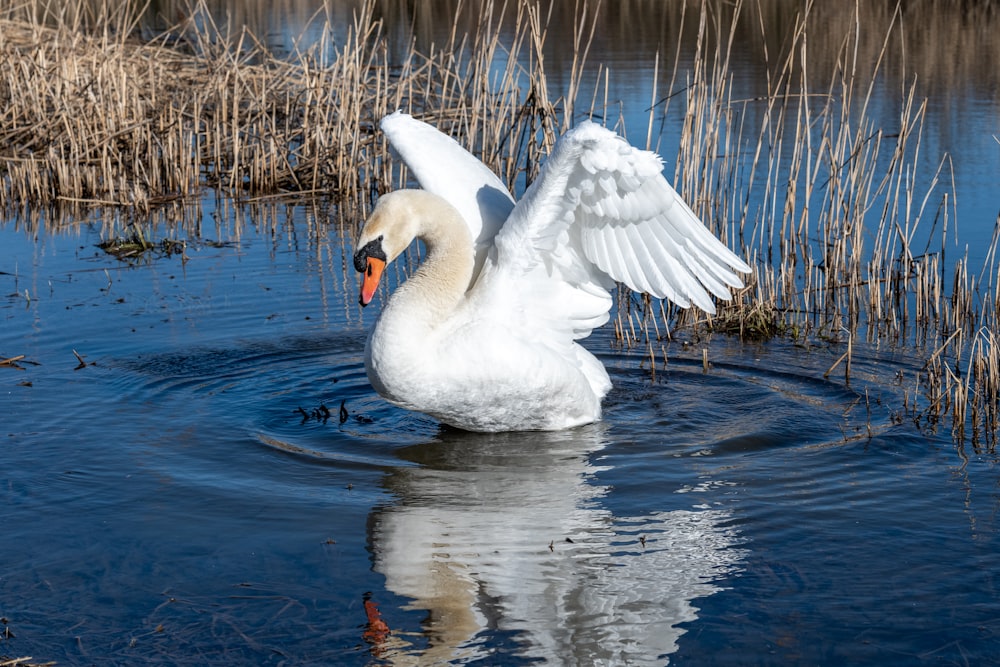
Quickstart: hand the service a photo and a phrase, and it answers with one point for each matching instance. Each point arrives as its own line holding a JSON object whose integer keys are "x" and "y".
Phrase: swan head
{"x": 398, "y": 218}
{"x": 392, "y": 226}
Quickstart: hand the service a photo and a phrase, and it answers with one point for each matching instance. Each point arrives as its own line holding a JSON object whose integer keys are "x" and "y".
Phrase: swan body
{"x": 483, "y": 336}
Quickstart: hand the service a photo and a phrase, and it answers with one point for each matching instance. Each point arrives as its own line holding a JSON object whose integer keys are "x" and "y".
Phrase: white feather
{"x": 505, "y": 357}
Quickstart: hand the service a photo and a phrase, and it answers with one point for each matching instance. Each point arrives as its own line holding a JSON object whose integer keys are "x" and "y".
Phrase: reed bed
{"x": 846, "y": 244}
{"x": 98, "y": 119}
{"x": 94, "y": 117}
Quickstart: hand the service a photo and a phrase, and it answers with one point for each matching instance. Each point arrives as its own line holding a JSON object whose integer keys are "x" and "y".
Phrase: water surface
{"x": 183, "y": 498}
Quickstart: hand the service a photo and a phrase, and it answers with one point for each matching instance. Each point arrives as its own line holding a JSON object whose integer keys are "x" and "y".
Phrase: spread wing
{"x": 600, "y": 211}
{"x": 443, "y": 167}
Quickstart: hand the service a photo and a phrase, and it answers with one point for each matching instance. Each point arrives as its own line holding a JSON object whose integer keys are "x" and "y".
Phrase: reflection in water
{"x": 507, "y": 533}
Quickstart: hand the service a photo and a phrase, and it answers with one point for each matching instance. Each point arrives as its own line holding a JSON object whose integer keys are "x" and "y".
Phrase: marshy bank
{"x": 850, "y": 222}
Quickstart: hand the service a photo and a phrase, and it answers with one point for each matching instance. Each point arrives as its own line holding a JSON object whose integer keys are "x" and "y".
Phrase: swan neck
{"x": 441, "y": 281}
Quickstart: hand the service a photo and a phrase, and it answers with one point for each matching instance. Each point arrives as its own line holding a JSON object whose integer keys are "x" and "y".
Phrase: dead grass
{"x": 23, "y": 662}
{"x": 804, "y": 181}
{"x": 95, "y": 118}
{"x": 848, "y": 244}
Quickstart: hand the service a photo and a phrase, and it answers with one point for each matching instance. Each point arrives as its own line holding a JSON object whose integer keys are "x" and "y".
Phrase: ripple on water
{"x": 263, "y": 399}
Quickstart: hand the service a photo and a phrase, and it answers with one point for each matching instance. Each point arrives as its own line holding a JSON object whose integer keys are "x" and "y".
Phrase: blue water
{"x": 170, "y": 503}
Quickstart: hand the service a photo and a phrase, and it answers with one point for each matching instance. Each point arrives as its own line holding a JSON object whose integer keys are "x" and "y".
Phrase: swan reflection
{"x": 507, "y": 533}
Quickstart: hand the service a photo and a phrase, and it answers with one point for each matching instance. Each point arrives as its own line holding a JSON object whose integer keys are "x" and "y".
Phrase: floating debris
{"x": 83, "y": 362}
{"x": 320, "y": 414}
{"x": 23, "y": 662}
{"x": 12, "y": 361}
{"x": 133, "y": 246}
{"x": 323, "y": 414}
{"x": 376, "y": 630}
{"x": 127, "y": 247}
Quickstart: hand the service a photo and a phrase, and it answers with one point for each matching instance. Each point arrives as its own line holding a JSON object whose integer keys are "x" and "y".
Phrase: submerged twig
{"x": 83, "y": 362}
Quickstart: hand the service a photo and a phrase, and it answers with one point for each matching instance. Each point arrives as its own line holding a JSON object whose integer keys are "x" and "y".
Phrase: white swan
{"x": 483, "y": 335}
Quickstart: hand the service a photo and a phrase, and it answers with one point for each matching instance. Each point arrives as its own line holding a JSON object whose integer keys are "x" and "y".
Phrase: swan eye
{"x": 371, "y": 249}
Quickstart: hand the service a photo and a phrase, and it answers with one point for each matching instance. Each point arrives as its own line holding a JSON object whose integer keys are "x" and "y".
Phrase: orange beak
{"x": 373, "y": 273}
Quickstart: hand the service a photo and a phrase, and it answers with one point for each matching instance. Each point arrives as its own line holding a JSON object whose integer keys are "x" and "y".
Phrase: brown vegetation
{"x": 95, "y": 117}
{"x": 802, "y": 180}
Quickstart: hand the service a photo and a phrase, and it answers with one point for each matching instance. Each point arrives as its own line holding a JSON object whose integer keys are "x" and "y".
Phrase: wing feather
{"x": 653, "y": 275}
{"x": 625, "y": 223}
{"x": 599, "y": 211}
{"x": 679, "y": 286}
{"x": 440, "y": 165}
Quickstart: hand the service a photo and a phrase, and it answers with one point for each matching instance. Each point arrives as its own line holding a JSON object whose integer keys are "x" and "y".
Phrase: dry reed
{"x": 97, "y": 118}
{"x": 803, "y": 181}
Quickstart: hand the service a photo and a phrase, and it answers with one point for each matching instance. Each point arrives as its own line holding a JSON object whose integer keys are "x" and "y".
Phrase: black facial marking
{"x": 371, "y": 249}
